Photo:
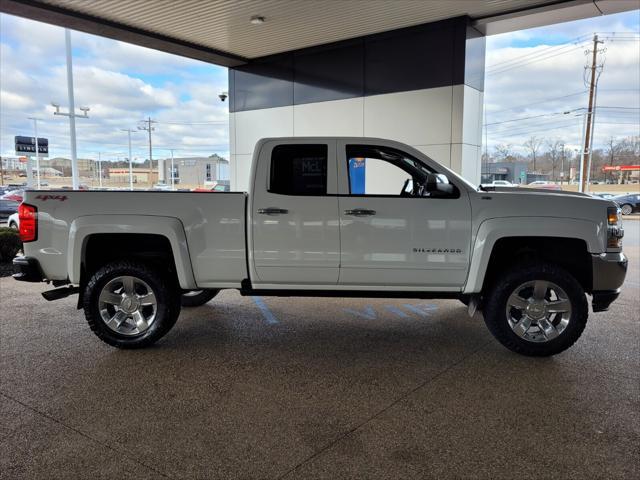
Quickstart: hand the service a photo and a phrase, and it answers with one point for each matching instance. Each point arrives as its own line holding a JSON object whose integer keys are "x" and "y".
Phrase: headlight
{"x": 615, "y": 232}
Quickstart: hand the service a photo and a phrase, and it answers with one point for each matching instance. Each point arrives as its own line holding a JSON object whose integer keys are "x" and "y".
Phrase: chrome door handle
{"x": 360, "y": 212}
{"x": 272, "y": 211}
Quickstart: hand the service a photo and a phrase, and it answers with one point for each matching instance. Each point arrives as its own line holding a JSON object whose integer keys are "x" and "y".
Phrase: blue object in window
{"x": 357, "y": 175}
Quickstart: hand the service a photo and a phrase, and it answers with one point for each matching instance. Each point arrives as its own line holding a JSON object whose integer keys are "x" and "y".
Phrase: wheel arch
{"x": 137, "y": 235}
{"x": 566, "y": 242}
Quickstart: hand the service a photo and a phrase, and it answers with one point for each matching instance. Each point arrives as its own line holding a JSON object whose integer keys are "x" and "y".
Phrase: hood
{"x": 530, "y": 202}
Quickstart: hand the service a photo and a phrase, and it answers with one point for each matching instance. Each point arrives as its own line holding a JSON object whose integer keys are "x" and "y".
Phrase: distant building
{"x": 121, "y": 175}
{"x": 197, "y": 170}
{"x": 86, "y": 166}
{"x": 514, "y": 172}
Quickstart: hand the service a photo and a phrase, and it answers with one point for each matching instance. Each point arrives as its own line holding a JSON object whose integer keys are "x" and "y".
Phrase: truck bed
{"x": 213, "y": 226}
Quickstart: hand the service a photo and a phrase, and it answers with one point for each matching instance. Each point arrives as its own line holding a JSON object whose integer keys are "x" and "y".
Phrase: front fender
{"x": 168, "y": 227}
{"x": 491, "y": 230}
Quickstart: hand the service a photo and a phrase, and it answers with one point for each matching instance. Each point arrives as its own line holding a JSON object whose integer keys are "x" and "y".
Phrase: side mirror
{"x": 439, "y": 183}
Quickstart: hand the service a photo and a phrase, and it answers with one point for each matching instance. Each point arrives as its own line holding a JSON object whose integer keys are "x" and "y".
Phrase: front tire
{"x": 131, "y": 305}
{"x": 626, "y": 209}
{"x": 536, "y": 310}
{"x": 196, "y": 298}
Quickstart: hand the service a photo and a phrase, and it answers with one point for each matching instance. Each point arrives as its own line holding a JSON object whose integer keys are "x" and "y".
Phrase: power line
{"x": 523, "y": 63}
{"x": 541, "y": 101}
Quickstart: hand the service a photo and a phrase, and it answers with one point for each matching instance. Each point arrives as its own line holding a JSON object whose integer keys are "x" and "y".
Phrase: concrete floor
{"x": 316, "y": 388}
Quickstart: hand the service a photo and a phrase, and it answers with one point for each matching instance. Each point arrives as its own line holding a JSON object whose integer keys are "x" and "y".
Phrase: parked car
{"x": 545, "y": 185}
{"x": 7, "y": 208}
{"x": 13, "y": 195}
{"x": 606, "y": 196}
{"x": 525, "y": 258}
{"x": 499, "y": 183}
{"x": 628, "y": 203}
{"x": 14, "y": 221}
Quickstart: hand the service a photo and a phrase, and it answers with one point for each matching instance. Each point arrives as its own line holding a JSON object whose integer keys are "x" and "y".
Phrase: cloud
{"x": 532, "y": 81}
{"x": 121, "y": 83}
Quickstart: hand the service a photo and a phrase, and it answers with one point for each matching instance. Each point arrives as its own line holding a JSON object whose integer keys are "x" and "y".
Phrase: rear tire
{"x": 626, "y": 209}
{"x": 536, "y": 309}
{"x": 130, "y": 304}
{"x": 13, "y": 225}
{"x": 196, "y": 298}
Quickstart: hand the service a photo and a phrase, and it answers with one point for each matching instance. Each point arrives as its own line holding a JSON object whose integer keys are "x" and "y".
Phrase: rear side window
{"x": 299, "y": 170}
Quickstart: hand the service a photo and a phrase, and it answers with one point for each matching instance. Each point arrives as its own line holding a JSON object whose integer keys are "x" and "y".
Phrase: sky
{"x": 533, "y": 73}
{"x": 121, "y": 83}
{"x": 540, "y": 73}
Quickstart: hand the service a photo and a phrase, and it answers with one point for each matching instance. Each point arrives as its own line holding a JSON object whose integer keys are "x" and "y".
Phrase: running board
{"x": 58, "y": 293}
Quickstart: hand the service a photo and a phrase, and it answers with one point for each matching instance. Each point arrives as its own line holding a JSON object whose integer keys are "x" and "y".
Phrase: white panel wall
{"x": 420, "y": 117}
{"x": 253, "y": 125}
{"x": 445, "y": 123}
{"x": 466, "y": 131}
{"x": 334, "y": 118}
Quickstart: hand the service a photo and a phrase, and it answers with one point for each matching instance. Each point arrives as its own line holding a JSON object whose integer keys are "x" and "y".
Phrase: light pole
{"x": 128, "y": 130}
{"x": 35, "y": 132}
{"x": 72, "y": 110}
{"x": 173, "y": 172}
{"x": 100, "y": 169}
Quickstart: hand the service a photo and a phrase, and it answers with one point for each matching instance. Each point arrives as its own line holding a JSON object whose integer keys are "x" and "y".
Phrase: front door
{"x": 294, "y": 214}
{"x": 393, "y": 234}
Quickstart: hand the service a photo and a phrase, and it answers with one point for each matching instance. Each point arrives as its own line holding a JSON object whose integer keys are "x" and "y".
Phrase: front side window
{"x": 299, "y": 170}
{"x": 386, "y": 171}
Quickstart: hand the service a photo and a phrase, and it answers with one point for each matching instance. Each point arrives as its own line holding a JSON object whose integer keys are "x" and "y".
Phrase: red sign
{"x": 621, "y": 168}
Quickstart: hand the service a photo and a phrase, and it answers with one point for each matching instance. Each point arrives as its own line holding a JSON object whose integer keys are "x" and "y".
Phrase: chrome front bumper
{"x": 609, "y": 271}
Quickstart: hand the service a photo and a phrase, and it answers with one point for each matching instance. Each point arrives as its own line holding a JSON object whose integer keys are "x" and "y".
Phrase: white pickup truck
{"x": 343, "y": 217}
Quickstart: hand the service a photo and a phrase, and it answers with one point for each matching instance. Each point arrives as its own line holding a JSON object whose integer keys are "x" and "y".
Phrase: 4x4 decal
{"x": 44, "y": 198}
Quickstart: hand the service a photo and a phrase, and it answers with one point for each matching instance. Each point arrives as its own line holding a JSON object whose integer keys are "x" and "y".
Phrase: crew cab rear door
{"x": 294, "y": 214}
{"x": 391, "y": 237}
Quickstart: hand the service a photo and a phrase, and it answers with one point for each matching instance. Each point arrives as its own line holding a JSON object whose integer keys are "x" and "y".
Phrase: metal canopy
{"x": 220, "y": 31}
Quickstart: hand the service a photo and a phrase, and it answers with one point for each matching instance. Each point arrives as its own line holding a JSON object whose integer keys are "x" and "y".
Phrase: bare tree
{"x": 555, "y": 147}
{"x": 613, "y": 149}
{"x": 533, "y": 144}
{"x": 503, "y": 152}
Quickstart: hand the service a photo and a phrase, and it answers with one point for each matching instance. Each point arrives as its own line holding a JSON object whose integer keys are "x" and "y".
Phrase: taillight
{"x": 28, "y": 215}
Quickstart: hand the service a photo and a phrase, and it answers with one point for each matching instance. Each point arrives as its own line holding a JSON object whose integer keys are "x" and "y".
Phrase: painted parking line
{"x": 269, "y": 317}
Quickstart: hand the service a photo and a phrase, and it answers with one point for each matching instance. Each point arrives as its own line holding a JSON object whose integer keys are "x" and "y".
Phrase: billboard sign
{"x": 28, "y": 145}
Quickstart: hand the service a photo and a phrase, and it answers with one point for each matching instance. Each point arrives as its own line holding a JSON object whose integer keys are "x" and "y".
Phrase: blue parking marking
{"x": 424, "y": 310}
{"x": 368, "y": 313}
{"x": 266, "y": 313}
{"x": 397, "y": 311}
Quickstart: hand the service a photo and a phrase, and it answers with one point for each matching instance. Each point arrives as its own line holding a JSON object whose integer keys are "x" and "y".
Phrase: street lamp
{"x": 72, "y": 132}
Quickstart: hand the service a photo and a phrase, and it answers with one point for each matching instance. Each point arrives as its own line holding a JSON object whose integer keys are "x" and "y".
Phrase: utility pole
{"x": 149, "y": 128}
{"x": 128, "y": 130}
{"x": 561, "y": 163}
{"x": 588, "y": 138}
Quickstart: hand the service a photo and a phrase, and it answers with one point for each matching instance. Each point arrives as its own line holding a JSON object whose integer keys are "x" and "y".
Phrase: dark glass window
{"x": 299, "y": 170}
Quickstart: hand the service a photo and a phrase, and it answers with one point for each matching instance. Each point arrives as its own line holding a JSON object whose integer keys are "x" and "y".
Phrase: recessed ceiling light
{"x": 257, "y": 20}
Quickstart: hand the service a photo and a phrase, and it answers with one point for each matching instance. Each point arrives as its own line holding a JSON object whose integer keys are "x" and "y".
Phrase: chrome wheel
{"x": 127, "y": 305}
{"x": 626, "y": 209}
{"x": 538, "y": 311}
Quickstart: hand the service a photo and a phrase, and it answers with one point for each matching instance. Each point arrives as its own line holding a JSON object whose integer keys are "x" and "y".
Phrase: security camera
{"x": 223, "y": 96}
